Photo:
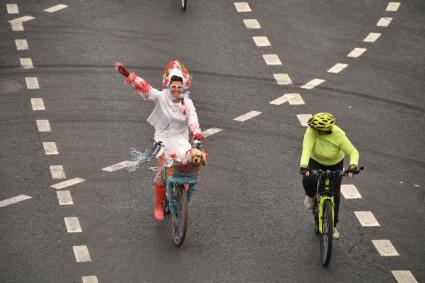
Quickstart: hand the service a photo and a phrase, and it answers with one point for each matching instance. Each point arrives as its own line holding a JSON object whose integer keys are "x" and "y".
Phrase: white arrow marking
{"x": 55, "y": 8}
{"x": 117, "y": 166}
{"x": 13, "y": 200}
{"x": 67, "y": 183}
{"x": 22, "y": 19}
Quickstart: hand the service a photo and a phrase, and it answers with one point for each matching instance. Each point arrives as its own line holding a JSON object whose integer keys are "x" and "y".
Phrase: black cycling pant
{"x": 310, "y": 182}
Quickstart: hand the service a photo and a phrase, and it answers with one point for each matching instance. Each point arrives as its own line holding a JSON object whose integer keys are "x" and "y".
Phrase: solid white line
{"x": 313, "y": 83}
{"x": 251, "y": 24}
{"x": 303, "y": 118}
{"x": 43, "y": 126}
{"x": 17, "y": 26}
{"x": 90, "y": 279}
{"x": 22, "y": 19}
{"x": 57, "y": 172}
{"x": 81, "y": 253}
{"x": 282, "y": 79}
{"x": 211, "y": 131}
{"x": 372, "y": 37}
{"x": 291, "y": 98}
{"x": 261, "y": 41}
{"x": 64, "y": 197}
{"x": 393, "y": 6}
{"x": 350, "y": 192}
{"x": 72, "y": 224}
{"x": 117, "y": 166}
{"x": 404, "y": 276}
{"x": 32, "y": 82}
{"x": 272, "y": 59}
{"x": 385, "y": 247}
{"x": 356, "y": 52}
{"x": 12, "y": 8}
{"x": 366, "y": 218}
{"x": 50, "y": 148}
{"x": 242, "y": 7}
{"x": 13, "y": 200}
{"x": 338, "y": 67}
{"x": 55, "y": 8}
{"x": 37, "y": 104}
{"x": 67, "y": 183}
{"x": 26, "y": 63}
{"x": 384, "y": 22}
{"x": 247, "y": 116}
{"x": 21, "y": 44}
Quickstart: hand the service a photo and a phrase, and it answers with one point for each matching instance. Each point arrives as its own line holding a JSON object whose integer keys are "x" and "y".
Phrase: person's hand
{"x": 352, "y": 170}
{"x": 198, "y": 136}
{"x": 304, "y": 171}
{"x": 121, "y": 69}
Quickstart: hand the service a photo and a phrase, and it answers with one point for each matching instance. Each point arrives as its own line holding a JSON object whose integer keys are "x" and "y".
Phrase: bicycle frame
{"x": 321, "y": 198}
{"x": 177, "y": 178}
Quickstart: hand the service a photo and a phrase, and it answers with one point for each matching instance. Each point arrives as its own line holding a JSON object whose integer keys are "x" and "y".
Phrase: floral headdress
{"x": 175, "y": 68}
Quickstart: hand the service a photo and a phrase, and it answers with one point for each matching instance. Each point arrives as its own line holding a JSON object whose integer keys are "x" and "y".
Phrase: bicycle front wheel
{"x": 179, "y": 219}
{"x": 184, "y": 4}
{"x": 327, "y": 234}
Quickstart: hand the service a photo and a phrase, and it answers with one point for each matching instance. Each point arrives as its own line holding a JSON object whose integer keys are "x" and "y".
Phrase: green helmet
{"x": 322, "y": 121}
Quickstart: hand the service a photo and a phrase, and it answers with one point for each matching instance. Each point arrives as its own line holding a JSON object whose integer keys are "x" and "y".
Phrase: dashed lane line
{"x": 57, "y": 172}
{"x": 17, "y": 26}
{"x": 372, "y": 37}
{"x": 72, "y": 225}
{"x": 385, "y": 248}
{"x": 14, "y": 200}
{"x": 247, "y": 116}
{"x": 251, "y": 24}
{"x": 261, "y": 41}
{"x": 64, "y": 197}
{"x": 26, "y": 63}
{"x": 392, "y": 6}
{"x": 211, "y": 131}
{"x": 356, "y": 52}
{"x": 12, "y": 8}
{"x": 50, "y": 148}
{"x": 366, "y": 219}
{"x": 282, "y": 79}
{"x": 43, "y": 126}
{"x": 117, "y": 166}
{"x": 90, "y": 279}
{"x": 272, "y": 59}
{"x": 384, "y": 22}
{"x": 291, "y": 98}
{"x": 303, "y": 118}
{"x": 313, "y": 83}
{"x": 67, "y": 183}
{"x": 56, "y": 8}
{"x": 337, "y": 68}
{"x": 37, "y": 104}
{"x": 81, "y": 253}
{"x": 242, "y": 7}
{"x": 21, "y": 44}
{"x": 350, "y": 191}
{"x": 404, "y": 276}
{"x": 32, "y": 82}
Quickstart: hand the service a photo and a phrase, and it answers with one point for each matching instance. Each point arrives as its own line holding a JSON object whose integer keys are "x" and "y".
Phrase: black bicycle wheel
{"x": 184, "y": 5}
{"x": 327, "y": 234}
{"x": 180, "y": 218}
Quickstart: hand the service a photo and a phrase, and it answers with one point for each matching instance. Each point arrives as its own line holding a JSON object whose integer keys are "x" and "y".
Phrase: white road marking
{"x": 117, "y": 166}
{"x": 372, "y": 37}
{"x": 21, "y": 44}
{"x": 416, "y": 185}
{"x": 385, "y": 247}
{"x": 67, "y": 183}
{"x": 242, "y": 7}
{"x": 81, "y": 253}
{"x": 26, "y": 63}
{"x": 392, "y": 6}
{"x": 291, "y": 98}
{"x": 64, "y": 197}
{"x": 350, "y": 192}
{"x": 404, "y": 276}
{"x": 22, "y": 19}
{"x": 72, "y": 225}
{"x": 251, "y": 24}
{"x": 272, "y": 59}
{"x": 50, "y": 148}
{"x": 313, "y": 83}
{"x": 17, "y": 26}
{"x": 384, "y": 22}
{"x": 261, "y": 41}
{"x": 247, "y": 116}
{"x": 57, "y": 172}
{"x": 90, "y": 279}
{"x": 303, "y": 118}
{"x": 356, "y": 52}
{"x": 43, "y": 126}
{"x": 366, "y": 218}
{"x": 37, "y": 104}
{"x": 211, "y": 131}
{"x": 14, "y": 200}
{"x": 282, "y": 79}
{"x": 55, "y": 8}
{"x": 338, "y": 67}
{"x": 32, "y": 82}
{"x": 12, "y": 8}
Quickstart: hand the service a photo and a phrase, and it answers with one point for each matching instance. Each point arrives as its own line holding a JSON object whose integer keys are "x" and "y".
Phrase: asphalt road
{"x": 247, "y": 221}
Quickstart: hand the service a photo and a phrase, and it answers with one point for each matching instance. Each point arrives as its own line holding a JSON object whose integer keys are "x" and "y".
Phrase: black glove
{"x": 303, "y": 170}
{"x": 353, "y": 169}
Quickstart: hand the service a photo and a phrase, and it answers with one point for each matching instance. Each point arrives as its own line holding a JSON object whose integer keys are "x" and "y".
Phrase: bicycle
{"x": 323, "y": 210}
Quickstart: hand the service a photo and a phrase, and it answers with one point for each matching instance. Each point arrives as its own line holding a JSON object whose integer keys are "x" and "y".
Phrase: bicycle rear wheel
{"x": 184, "y": 4}
{"x": 327, "y": 234}
{"x": 179, "y": 219}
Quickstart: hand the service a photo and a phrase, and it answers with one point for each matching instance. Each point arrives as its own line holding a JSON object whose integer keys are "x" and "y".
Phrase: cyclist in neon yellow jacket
{"x": 324, "y": 147}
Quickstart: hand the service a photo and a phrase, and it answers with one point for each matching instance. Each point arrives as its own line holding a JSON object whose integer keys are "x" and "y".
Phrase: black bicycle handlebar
{"x": 345, "y": 172}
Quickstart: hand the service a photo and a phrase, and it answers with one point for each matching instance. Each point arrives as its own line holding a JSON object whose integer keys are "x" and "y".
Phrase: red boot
{"x": 159, "y": 202}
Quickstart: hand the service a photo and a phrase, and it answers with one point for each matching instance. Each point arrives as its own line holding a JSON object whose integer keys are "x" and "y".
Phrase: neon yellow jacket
{"x": 328, "y": 149}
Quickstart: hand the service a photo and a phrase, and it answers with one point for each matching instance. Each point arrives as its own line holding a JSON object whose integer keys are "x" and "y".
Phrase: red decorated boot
{"x": 159, "y": 202}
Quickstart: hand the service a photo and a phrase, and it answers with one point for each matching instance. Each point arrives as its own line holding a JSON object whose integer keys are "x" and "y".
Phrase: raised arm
{"x": 193, "y": 122}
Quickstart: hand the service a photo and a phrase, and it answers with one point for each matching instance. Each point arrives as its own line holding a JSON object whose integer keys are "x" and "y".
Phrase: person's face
{"x": 176, "y": 88}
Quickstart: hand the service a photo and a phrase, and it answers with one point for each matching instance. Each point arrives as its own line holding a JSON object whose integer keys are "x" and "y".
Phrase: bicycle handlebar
{"x": 320, "y": 172}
